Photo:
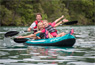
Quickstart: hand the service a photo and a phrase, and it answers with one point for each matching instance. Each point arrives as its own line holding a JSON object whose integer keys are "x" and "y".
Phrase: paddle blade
{"x": 70, "y": 23}
{"x": 20, "y": 40}
{"x": 11, "y": 33}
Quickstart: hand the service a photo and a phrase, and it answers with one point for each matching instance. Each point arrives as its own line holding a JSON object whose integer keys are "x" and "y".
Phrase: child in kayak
{"x": 50, "y": 28}
{"x": 40, "y": 27}
{"x": 49, "y": 31}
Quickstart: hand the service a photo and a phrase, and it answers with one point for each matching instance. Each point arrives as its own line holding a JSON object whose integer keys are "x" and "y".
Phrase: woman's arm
{"x": 59, "y": 19}
{"x": 31, "y": 27}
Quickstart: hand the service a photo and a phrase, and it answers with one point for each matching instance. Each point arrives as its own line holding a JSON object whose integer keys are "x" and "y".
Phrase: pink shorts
{"x": 54, "y": 34}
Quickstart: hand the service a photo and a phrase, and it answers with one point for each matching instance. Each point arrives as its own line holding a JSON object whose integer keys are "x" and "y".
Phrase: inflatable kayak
{"x": 66, "y": 41}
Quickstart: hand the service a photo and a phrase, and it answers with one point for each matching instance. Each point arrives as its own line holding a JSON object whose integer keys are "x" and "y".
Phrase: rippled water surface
{"x": 82, "y": 53}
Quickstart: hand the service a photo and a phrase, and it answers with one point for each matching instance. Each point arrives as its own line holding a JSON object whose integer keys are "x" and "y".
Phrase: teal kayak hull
{"x": 65, "y": 41}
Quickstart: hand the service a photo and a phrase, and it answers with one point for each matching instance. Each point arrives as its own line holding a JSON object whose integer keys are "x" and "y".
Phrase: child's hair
{"x": 38, "y": 26}
{"x": 45, "y": 21}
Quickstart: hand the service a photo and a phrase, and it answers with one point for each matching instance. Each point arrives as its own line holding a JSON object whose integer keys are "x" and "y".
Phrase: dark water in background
{"x": 82, "y": 53}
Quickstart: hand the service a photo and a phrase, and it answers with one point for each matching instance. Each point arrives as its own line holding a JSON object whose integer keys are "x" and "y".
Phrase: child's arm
{"x": 50, "y": 36}
{"x": 31, "y": 35}
{"x": 59, "y": 19}
{"x": 28, "y": 36}
{"x": 37, "y": 32}
{"x": 64, "y": 20}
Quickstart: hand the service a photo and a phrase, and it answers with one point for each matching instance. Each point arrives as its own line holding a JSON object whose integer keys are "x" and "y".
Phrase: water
{"x": 82, "y": 53}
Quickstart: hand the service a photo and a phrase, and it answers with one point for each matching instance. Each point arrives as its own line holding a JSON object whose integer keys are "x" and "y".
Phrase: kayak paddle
{"x": 70, "y": 23}
{"x": 17, "y": 40}
{"x": 11, "y": 33}
{"x": 20, "y": 40}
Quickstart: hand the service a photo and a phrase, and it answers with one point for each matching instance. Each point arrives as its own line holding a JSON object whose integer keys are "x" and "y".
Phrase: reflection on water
{"x": 82, "y": 53}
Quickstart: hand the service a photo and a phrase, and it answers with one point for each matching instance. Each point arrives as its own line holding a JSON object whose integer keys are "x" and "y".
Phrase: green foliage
{"x": 6, "y": 15}
{"x": 81, "y": 8}
{"x": 53, "y": 9}
{"x": 22, "y": 12}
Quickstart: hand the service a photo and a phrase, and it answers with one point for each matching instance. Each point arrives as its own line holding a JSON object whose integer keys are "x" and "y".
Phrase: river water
{"x": 82, "y": 53}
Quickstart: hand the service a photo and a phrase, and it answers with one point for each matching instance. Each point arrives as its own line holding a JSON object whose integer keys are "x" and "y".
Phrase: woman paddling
{"x": 35, "y": 36}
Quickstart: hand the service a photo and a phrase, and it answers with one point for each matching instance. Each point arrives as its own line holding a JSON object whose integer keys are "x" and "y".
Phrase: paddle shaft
{"x": 70, "y": 23}
{"x": 12, "y": 33}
